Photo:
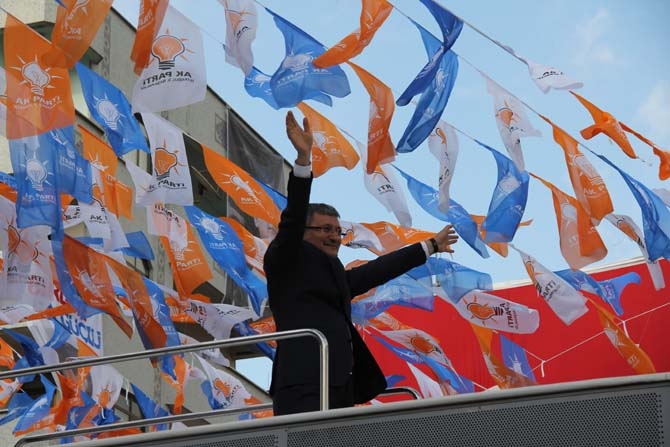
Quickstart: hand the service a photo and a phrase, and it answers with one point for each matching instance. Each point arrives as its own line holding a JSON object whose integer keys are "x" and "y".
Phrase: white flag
{"x": 94, "y": 214}
{"x": 117, "y": 239}
{"x": 72, "y": 216}
{"x": 359, "y": 236}
{"x": 217, "y": 319}
{"x": 443, "y": 144}
{"x": 492, "y": 312}
{"x": 25, "y": 278}
{"x": 384, "y": 187}
{"x": 212, "y": 354}
{"x": 176, "y": 75}
{"x": 546, "y": 78}
{"x": 162, "y": 221}
{"x": 566, "y": 302}
{"x": 420, "y": 342}
{"x": 106, "y": 384}
{"x": 427, "y": 386}
{"x": 241, "y": 25}
{"x": 512, "y": 121}
{"x": 226, "y": 390}
{"x": 171, "y": 180}
{"x": 630, "y": 229}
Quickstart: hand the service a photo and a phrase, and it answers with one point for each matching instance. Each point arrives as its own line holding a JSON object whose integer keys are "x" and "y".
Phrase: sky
{"x": 620, "y": 50}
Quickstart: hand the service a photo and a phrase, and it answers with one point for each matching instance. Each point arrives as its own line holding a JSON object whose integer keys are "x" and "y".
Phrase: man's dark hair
{"x": 320, "y": 208}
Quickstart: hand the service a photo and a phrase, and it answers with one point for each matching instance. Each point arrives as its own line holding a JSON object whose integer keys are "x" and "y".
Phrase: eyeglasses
{"x": 327, "y": 229}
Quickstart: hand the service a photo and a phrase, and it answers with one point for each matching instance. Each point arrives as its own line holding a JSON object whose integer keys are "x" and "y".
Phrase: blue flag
{"x": 35, "y": 164}
{"x": 74, "y": 170}
{"x": 515, "y": 358}
{"x": 609, "y": 290}
{"x": 39, "y": 408}
{"x": 139, "y": 246}
{"x": 161, "y": 313}
{"x": 455, "y": 279}
{"x": 406, "y": 354}
{"x": 278, "y": 198}
{"x": 427, "y": 198}
{"x": 245, "y": 329}
{"x": 18, "y": 404}
{"x": 451, "y": 28}
{"x": 394, "y": 379}
{"x": 403, "y": 291}
{"x": 655, "y": 216}
{"x": 7, "y": 180}
{"x": 508, "y": 202}
{"x": 60, "y": 335}
{"x": 257, "y": 84}
{"x": 461, "y": 384}
{"x": 434, "y": 96}
{"x": 149, "y": 408}
{"x": 111, "y": 109}
{"x": 76, "y": 415}
{"x": 31, "y": 354}
{"x": 297, "y": 78}
{"x": 225, "y": 247}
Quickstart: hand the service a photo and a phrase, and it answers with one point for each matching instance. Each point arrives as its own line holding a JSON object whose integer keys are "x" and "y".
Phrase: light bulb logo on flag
{"x": 108, "y": 111}
{"x": 166, "y": 48}
{"x": 212, "y": 227}
{"x": 37, "y": 77}
{"x": 164, "y": 161}
{"x": 20, "y": 248}
{"x": 297, "y": 62}
{"x": 36, "y": 172}
{"x": 240, "y": 183}
{"x": 483, "y": 312}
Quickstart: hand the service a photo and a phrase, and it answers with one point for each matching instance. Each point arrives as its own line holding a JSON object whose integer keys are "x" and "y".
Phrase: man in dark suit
{"x": 309, "y": 288}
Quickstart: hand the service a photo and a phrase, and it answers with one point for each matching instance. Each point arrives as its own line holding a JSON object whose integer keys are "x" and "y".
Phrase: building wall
{"x": 205, "y": 122}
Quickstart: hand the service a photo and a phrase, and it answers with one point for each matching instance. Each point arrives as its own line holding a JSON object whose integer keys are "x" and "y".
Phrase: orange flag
{"x": 189, "y": 265}
{"x": 151, "y": 17}
{"x": 501, "y": 374}
{"x": 265, "y": 326}
{"x": 380, "y": 147}
{"x": 606, "y": 123}
{"x": 589, "y": 187}
{"x": 246, "y": 192}
{"x": 181, "y": 371}
{"x": 88, "y": 270}
{"x": 629, "y": 350}
{"x": 373, "y": 14}
{"x": 38, "y": 96}
{"x": 580, "y": 242}
{"x": 6, "y": 355}
{"x": 118, "y": 197}
{"x": 663, "y": 155}
{"x": 100, "y": 154}
{"x": 330, "y": 149}
{"x": 76, "y": 26}
{"x": 254, "y": 247}
{"x": 140, "y": 303}
{"x": 381, "y": 237}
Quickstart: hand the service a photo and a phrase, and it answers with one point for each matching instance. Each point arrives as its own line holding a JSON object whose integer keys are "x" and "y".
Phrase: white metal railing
{"x": 92, "y": 361}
